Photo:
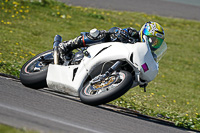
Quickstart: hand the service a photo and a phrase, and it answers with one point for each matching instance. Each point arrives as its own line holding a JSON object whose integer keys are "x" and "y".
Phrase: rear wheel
{"x": 33, "y": 73}
{"x": 109, "y": 89}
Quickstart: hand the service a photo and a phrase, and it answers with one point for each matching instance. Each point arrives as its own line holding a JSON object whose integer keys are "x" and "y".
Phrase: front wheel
{"x": 109, "y": 89}
{"x": 33, "y": 73}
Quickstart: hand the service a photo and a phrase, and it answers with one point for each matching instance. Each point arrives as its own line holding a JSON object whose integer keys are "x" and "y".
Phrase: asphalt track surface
{"x": 45, "y": 111}
{"x": 187, "y": 9}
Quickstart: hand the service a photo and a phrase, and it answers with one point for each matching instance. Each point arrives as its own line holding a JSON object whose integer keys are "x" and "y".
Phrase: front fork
{"x": 100, "y": 78}
{"x": 57, "y": 41}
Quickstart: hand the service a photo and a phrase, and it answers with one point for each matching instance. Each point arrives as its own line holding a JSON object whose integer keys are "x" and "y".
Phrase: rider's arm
{"x": 133, "y": 33}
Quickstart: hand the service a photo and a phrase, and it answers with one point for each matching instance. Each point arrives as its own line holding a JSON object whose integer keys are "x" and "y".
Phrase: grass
{"x": 28, "y": 28}
{"x": 8, "y": 129}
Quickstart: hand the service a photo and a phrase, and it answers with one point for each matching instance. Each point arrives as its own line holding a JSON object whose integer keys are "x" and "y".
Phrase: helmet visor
{"x": 155, "y": 42}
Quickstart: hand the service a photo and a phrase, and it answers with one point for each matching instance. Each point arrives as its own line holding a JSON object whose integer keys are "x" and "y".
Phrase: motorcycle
{"x": 98, "y": 74}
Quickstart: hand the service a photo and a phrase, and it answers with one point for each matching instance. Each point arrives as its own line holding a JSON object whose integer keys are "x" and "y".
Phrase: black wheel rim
{"x": 40, "y": 63}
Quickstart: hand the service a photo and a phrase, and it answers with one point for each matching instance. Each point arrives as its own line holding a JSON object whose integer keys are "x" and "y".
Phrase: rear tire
{"x": 30, "y": 76}
{"x": 109, "y": 93}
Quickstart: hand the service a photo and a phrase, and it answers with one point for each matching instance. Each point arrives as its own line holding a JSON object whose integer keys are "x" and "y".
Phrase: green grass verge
{"x": 28, "y": 28}
{"x": 9, "y": 129}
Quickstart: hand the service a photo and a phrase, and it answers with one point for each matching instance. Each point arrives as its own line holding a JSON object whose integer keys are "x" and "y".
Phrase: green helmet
{"x": 154, "y": 33}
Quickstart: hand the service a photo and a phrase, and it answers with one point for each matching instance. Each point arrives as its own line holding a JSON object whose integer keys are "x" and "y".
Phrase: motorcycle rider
{"x": 152, "y": 30}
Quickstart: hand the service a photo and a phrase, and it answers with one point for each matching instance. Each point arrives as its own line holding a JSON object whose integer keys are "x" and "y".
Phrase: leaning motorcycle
{"x": 97, "y": 74}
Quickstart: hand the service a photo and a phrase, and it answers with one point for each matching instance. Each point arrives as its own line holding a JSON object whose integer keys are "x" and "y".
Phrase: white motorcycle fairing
{"x": 70, "y": 79}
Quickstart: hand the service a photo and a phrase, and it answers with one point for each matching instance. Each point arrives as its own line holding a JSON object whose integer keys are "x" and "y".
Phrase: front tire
{"x": 33, "y": 73}
{"x": 115, "y": 86}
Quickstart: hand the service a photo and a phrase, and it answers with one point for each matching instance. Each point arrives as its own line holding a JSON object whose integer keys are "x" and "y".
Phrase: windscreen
{"x": 160, "y": 51}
